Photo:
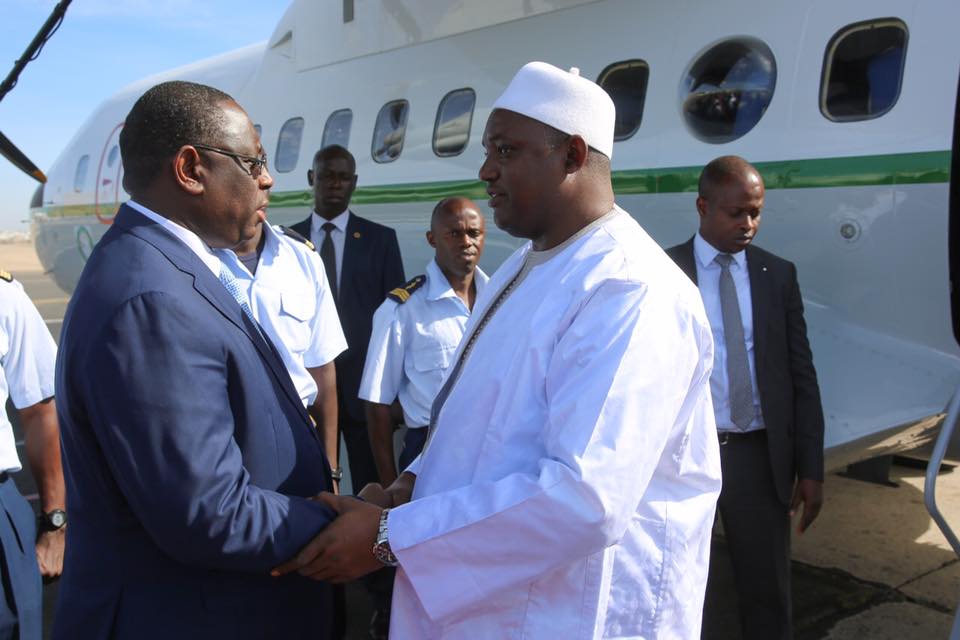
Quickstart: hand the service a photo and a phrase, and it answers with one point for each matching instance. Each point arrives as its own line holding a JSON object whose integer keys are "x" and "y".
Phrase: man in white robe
{"x": 568, "y": 486}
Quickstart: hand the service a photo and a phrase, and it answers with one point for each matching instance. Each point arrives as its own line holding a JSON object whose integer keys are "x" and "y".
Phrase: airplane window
{"x": 112, "y": 156}
{"x": 626, "y": 82}
{"x": 451, "y": 131}
{"x": 337, "y": 129}
{"x": 727, "y": 90}
{"x": 288, "y": 145}
{"x": 863, "y": 70}
{"x": 80, "y": 176}
{"x": 389, "y": 131}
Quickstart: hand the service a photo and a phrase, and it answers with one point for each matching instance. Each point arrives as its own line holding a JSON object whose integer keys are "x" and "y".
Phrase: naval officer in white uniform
{"x": 283, "y": 277}
{"x": 27, "y": 361}
{"x": 416, "y": 332}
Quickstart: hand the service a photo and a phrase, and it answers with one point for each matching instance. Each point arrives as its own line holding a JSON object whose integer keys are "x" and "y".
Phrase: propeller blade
{"x": 22, "y": 162}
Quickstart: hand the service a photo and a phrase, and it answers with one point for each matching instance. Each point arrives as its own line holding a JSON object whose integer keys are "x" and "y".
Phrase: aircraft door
{"x": 109, "y": 178}
{"x": 954, "y": 221}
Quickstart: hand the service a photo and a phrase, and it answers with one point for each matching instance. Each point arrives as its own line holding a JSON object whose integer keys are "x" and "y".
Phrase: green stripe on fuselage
{"x": 927, "y": 167}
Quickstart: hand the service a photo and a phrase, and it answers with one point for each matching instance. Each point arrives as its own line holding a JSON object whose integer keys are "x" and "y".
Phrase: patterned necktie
{"x": 739, "y": 384}
{"x": 232, "y": 286}
{"x": 329, "y": 257}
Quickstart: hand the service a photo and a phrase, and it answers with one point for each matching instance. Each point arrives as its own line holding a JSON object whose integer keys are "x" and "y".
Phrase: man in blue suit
{"x": 188, "y": 454}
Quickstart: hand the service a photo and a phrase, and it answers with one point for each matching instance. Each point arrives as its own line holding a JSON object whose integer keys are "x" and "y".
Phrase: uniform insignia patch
{"x": 402, "y": 294}
{"x": 296, "y": 236}
{"x": 5, "y": 275}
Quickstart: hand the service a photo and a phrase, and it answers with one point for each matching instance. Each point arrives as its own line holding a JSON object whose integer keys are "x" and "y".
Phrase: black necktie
{"x": 329, "y": 257}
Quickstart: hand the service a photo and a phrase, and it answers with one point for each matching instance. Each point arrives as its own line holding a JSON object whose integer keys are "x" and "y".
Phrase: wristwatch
{"x": 337, "y": 474}
{"x": 52, "y": 520}
{"x": 381, "y": 548}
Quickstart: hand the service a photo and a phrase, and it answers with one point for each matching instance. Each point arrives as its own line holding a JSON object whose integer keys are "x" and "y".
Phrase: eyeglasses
{"x": 254, "y": 166}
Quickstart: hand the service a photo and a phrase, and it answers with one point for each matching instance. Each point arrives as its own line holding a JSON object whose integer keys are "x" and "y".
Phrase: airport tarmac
{"x": 873, "y": 565}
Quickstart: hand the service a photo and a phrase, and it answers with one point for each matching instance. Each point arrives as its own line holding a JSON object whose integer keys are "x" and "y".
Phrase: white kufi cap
{"x": 563, "y": 100}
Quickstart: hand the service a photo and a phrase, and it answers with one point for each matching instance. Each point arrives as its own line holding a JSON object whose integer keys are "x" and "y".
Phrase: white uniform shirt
{"x": 568, "y": 490}
{"x": 291, "y": 300}
{"x": 28, "y": 355}
{"x": 338, "y": 236}
{"x": 708, "y": 280}
{"x": 412, "y": 345}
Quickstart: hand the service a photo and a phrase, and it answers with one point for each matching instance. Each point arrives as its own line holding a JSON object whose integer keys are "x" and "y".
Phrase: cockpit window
{"x": 863, "y": 70}
{"x": 626, "y": 82}
{"x": 726, "y": 91}
{"x": 389, "y": 132}
{"x": 337, "y": 128}
{"x": 451, "y": 131}
{"x": 288, "y": 145}
{"x": 80, "y": 175}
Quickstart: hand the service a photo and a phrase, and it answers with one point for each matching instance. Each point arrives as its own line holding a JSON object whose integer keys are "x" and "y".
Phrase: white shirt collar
{"x": 187, "y": 237}
{"x": 706, "y": 253}
{"x": 317, "y": 221}
{"x": 439, "y": 287}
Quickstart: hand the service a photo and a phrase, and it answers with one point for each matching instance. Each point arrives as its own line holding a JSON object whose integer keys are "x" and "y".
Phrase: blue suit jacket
{"x": 187, "y": 455}
{"x": 371, "y": 269}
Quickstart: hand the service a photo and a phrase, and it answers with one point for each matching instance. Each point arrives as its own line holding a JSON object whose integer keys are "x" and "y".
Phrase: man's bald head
{"x": 457, "y": 232}
{"x": 730, "y": 203}
{"x": 452, "y": 206}
{"x": 723, "y": 169}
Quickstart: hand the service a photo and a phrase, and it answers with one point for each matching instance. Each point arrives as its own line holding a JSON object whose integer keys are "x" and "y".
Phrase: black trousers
{"x": 363, "y": 469}
{"x": 756, "y": 526}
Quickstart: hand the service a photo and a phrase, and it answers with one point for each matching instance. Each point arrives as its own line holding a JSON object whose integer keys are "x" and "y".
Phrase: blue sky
{"x": 102, "y": 46}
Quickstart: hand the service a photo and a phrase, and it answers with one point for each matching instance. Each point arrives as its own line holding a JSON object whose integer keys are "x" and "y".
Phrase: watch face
{"x": 58, "y": 518}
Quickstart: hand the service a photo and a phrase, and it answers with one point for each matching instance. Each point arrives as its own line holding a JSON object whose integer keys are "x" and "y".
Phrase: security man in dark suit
{"x": 764, "y": 388}
{"x": 362, "y": 260}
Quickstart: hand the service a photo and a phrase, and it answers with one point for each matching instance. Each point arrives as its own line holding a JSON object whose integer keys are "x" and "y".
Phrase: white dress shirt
{"x": 569, "y": 487}
{"x": 291, "y": 300}
{"x": 184, "y": 235}
{"x": 708, "y": 280}
{"x": 412, "y": 345}
{"x": 27, "y": 358}
{"x": 338, "y": 235}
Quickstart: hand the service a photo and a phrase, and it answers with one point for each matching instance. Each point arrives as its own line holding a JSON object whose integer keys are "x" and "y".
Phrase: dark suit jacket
{"x": 187, "y": 455}
{"x": 371, "y": 268}
{"x": 787, "y": 381}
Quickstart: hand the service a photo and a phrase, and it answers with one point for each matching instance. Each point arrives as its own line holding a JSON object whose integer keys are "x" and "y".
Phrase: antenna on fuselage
{"x": 7, "y": 148}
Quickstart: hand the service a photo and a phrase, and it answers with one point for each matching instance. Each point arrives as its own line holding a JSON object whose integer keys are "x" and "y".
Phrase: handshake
{"x": 343, "y": 550}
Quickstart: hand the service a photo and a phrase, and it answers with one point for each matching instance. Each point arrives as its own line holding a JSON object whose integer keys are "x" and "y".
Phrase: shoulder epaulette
{"x": 290, "y": 233}
{"x": 5, "y": 275}
{"x": 402, "y": 294}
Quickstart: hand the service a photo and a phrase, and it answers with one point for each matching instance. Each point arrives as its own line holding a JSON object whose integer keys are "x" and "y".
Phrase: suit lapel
{"x": 351, "y": 254}
{"x": 209, "y": 288}
{"x": 687, "y": 261}
{"x": 759, "y": 297}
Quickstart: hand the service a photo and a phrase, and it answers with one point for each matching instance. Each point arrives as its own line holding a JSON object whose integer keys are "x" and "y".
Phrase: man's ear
{"x": 577, "y": 151}
{"x": 431, "y": 240}
{"x": 310, "y": 177}
{"x": 701, "y": 206}
{"x": 188, "y": 171}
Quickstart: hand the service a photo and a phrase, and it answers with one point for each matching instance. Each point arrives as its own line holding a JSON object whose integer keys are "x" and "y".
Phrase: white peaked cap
{"x": 564, "y": 100}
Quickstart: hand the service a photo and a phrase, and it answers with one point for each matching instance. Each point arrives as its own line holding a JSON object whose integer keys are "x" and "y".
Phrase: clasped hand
{"x": 343, "y": 551}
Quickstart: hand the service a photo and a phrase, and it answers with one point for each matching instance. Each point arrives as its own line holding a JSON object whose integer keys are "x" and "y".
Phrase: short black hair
{"x": 719, "y": 170}
{"x": 166, "y": 117}
{"x": 333, "y": 151}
